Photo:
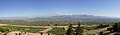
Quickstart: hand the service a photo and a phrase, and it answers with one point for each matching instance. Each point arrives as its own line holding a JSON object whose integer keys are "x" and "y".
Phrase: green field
{"x": 22, "y": 29}
{"x": 32, "y": 23}
{"x": 57, "y": 30}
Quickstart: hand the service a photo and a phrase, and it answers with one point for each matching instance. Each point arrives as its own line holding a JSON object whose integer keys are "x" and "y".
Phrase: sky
{"x": 14, "y": 8}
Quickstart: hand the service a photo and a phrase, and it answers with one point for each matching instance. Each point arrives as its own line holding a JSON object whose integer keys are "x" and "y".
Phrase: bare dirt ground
{"x": 48, "y": 29}
{"x": 4, "y": 24}
{"x": 96, "y": 31}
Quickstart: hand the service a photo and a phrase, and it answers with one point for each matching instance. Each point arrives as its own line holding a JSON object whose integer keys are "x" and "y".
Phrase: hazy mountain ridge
{"x": 82, "y": 18}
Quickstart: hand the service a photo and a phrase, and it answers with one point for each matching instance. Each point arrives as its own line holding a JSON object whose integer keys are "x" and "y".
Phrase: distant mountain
{"x": 68, "y": 18}
{"x": 13, "y": 18}
{"x": 82, "y": 18}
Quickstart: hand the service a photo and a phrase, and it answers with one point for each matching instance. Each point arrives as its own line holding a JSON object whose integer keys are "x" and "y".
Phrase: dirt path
{"x": 4, "y": 24}
{"x": 51, "y": 27}
{"x": 48, "y": 29}
{"x": 65, "y": 27}
{"x": 111, "y": 33}
{"x": 95, "y": 31}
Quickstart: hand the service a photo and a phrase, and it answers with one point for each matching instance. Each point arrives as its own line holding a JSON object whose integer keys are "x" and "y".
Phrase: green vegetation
{"x": 102, "y": 26}
{"x": 4, "y": 30}
{"x": 116, "y": 27}
{"x": 32, "y": 23}
{"x": 79, "y": 30}
{"x": 58, "y": 31}
{"x": 41, "y": 23}
{"x": 70, "y": 30}
{"x": 23, "y": 29}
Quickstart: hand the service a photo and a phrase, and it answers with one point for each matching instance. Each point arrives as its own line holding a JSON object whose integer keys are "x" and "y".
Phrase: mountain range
{"x": 82, "y": 18}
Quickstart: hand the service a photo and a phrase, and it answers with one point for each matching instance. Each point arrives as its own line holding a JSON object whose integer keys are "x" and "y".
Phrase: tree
{"x": 48, "y": 33}
{"x": 16, "y": 34}
{"x": 70, "y": 31}
{"x": 100, "y": 26}
{"x": 101, "y": 33}
{"x": 4, "y": 30}
{"x": 116, "y": 27}
{"x": 56, "y": 25}
{"x": 41, "y": 33}
{"x": 19, "y": 33}
{"x": 79, "y": 30}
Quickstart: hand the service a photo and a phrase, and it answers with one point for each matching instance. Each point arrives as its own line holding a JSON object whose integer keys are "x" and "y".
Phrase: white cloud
{"x": 60, "y": 13}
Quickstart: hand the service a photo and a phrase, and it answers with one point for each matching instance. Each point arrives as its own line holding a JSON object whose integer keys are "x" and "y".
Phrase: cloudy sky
{"x": 13, "y": 8}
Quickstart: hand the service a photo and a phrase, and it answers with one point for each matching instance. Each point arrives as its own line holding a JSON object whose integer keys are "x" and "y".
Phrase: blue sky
{"x": 13, "y": 8}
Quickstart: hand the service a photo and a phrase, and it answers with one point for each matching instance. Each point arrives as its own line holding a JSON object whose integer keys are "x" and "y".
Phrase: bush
{"x": 4, "y": 30}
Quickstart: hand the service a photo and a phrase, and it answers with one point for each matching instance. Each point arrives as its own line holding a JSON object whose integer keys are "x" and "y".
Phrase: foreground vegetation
{"x": 22, "y": 29}
{"x": 72, "y": 29}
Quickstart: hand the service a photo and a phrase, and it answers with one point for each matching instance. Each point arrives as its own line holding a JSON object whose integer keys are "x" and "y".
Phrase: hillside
{"x": 82, "y": 18}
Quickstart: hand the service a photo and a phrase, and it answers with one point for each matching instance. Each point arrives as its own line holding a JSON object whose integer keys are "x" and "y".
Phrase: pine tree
{"x": 70, "y": 31}
{"x": 118, "y": 27}
{"x": 115, "y": 27}
{"x": 78, "y": 30}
